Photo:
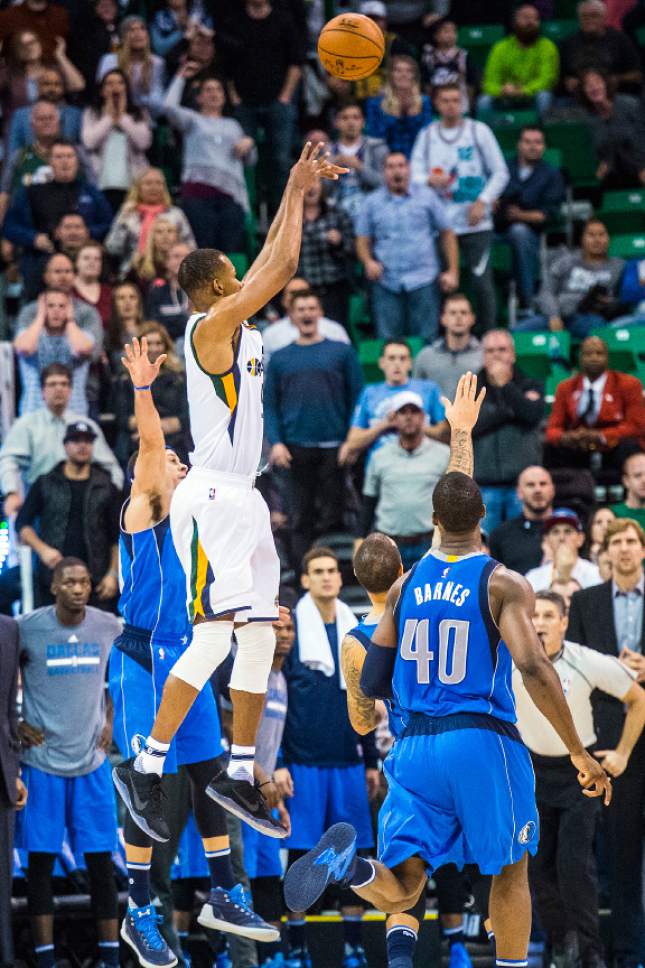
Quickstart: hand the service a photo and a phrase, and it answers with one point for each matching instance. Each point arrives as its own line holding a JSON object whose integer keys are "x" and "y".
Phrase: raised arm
{"x": 462, "y": 416}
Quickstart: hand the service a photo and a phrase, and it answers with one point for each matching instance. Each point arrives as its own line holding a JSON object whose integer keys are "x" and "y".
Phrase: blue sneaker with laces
{"x": 331, "y": 861}
{"x": 297, "y": 958}
{"x": 274, "y": 961}
{"x": 354, "y": 957}
{"x": 139, "y": 930}
{"x": 459, "y": 957}
{"x": 222, "y": 959}
{"x": 231, "y": 911}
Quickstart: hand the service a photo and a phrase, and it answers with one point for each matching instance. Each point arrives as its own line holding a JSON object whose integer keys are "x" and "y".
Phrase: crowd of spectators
{"x": 133, "y": 132}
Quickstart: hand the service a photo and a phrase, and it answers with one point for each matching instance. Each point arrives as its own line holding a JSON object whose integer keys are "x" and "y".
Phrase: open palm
{"x": 142, "y": 371}
{"x": 463, "y": 412}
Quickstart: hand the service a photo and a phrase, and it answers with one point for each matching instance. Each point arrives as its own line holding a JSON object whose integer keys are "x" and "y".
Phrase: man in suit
{"x": 598, "y": 417}
{"x": 609, "y": 618}
{"x": 13, "y": 794}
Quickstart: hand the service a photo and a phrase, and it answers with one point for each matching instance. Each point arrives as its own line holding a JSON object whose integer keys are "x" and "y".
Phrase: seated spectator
{"x": 298, "y": 300}
{"x": 517, "y": 542}
{"x": 563, "y": 538}
{"x": 374, "y": 420}
{"x": 597, "y": 45}
{"x": 51, "y": 88}
{"x": 632, "y": 294}
{"x": 125, "y": 322}
{"x": 506, "y": 438}
{"x": 169, "y": 395}
{"x": 33, "y": 444}
{"x": 402, "y": 110}
{"x": 116, "y": 135}
{"x": 166, "y": 302}
{"x": 454, "y": 353}
{"x": 364, "y": 156}
{"x": 396, "y": 231}
{"x": 53, "y": 337}
{"x": 143, "y": 69}
{"x": 373, "y": 85}
{"x": 633, "y": 503}
{"x": 326, "y": 252}
{"x": 88, "y": 285}
{"x": 442, "y": 62}
{"x": 598, "y": 417}
{"x": 48, "y": 21}
{"x": 148, "y": 198}
{"x": 36, "y": 210}
{"x": 77, "y": 509}
{"x": 151, "y": 263}
{"x": 597, "y": 529}
{"x": 96, "y": 32}
{"x": 522, "y": 68}
{"x": 618, "y": 129}
{"x": 70, "y": 234}
{"x": 532, "y": 197}
{"x": 401, "y": 478}
{"x": 215, "y": 150}
{"x": 580, "y": 290}
{"x": 461, "y": 160}
{"x": 30, "y": 165}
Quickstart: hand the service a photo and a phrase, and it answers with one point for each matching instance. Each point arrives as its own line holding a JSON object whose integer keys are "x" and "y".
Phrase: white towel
{"x": 313, "y": 644}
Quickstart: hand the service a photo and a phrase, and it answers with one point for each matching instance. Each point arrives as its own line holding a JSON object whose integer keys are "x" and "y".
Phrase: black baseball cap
{"x": 78, "y": 429}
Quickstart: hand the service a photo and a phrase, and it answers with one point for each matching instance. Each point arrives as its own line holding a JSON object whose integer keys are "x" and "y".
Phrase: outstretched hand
{"x": 312, "y": 165}
{"x": 142, "y": 371}
{"x": 463, "y": 412}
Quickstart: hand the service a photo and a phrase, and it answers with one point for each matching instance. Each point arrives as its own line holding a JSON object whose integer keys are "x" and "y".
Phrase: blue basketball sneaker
{"x": 274, "y": 961}
{"x": 222, "y": 959}
{"x": 459, "y": 957}
{"x": 331, "y": 861}
{"x": 139, "y": 929}
{"x": 354, "y": 957}
{"x": 297, "y": 958}
{"x": 231, "y": 911}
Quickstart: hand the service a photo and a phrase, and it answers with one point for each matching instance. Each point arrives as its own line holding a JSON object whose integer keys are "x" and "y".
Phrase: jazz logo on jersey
{"x": 255, "y": 366}
{"x": 211, "y": 493}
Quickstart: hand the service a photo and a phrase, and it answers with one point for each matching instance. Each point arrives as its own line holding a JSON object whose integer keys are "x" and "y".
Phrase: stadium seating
{"x": 628, "y": 246}
{"x": 478, "y": 40}
{"x": 624, "y": 211}
{"x": 626, "y": 347}
{"x": 538, "y": 354}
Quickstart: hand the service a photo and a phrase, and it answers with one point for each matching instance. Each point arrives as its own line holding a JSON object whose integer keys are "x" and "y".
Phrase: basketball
{"x": 351, "y": 46}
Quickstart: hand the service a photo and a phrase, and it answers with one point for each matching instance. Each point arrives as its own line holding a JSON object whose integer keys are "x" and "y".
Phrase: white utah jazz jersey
{"x": 226, "y": 412}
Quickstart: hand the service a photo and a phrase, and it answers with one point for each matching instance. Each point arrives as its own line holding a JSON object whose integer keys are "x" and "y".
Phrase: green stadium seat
{"x": 357, "y": 316}
{"x": 640, "y": 36}
{"x": 241, "y": 262}
{"x": 624, "y": 211}
{"x": 557, "y": 30}
{"x": 553, "y": 379}
{"x": 628, "y": 246}
{"x": 575, "y": 141}
{"x": 538, "y": 353}
{"x": 501, "y": 259}
{"x": 478, "y": 40}
{"x": 507, "y": 125}
{"x": 416, "y": 344}
{"x": 369, "y": 352}
{"x": 626, "y": 347}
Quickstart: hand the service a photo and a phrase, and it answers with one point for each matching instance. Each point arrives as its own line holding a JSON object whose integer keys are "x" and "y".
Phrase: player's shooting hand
{"x": 142, "y": 371}
{"x": 30, "y": 735}
{"x": 463, "y": 412}
{"x": 312, "y": 165}
{"x": 592, "y": 778}
{"x": 22, "y": 794}
{"x": 284, "y": 782}
{"x": 612, "y": 761}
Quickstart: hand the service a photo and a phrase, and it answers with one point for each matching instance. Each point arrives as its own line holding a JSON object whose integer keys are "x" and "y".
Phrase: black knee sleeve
{"x": 40, "y": 894}
{"x": 267, "y": 898}
{"x": 134, "y": 835}
{"x": 209, "y": 816}
{"x": 451, "y": 889}
{"x": 418, "y": 911}
{"x": 105, "y": 900}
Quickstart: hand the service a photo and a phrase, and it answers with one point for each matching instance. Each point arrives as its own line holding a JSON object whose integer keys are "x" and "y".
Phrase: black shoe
{"x": 143, "y": 796}
{"x": 246, "y": 802}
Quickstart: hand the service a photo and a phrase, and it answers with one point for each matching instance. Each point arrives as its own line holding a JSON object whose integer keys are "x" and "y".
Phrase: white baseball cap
{"x": 374, "y": 8}
{"x": 406, "y": 398}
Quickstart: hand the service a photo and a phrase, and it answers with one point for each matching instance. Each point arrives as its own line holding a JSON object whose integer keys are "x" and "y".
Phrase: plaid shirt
{"x": 321, "y": 263}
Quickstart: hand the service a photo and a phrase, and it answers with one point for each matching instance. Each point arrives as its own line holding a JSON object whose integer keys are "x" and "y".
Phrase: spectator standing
{"x": 597, "y": 45}
{"x": 506, "y": 438}
{"x": 34, "y": 443}
{"x": 580, "y": 290}
{"x": 443, "y": 62}
{"x": 618, "y": 129}
{"x": 96, "y": 32}
{"x": 116, "y": 135}
{"x": 53, "y": 337}
{"x": 326, "y": 252}
{"x": 517, "y": 542}
{"x": 401, "y": 478}
{"x": 309, "y": 396}
{"x": 263, "y": 58}
{"x": 396, "y": 231}
{"x": 374, "y": 421}
{"x": 215, "y": 151}
{"x": 88, "y": 287}
{"x": 332, "y": 770}
{"x": 148, "y": 198}
{"x": 298, "y": 300}
{"x": 13, "y": 792}
{"x": 609, "y": 619}
{"x": 125, "y": 321}
{"x": 143, "y": 69}
{"x": 166, "y": 302}
{"x": 78, "y": 511}
{"x": 522, "y": 68}
{"x": 51, "y": 88}
{"x": 362, "y": 155}
{"x": 563, "y": 538}
{"x": 454, "y": 353}
{"x": 48, "y": 20}
{"x": 532, "y": 197}
{"x": 402, "y": 110}
{"x": 66, "y": 732}
{"x": 598, "y": 416}
{"x": 30, "y": 165}
{"x": 461, "y": 160}
{"x": 633, "y": 503}
{"x": 563, "y": 872}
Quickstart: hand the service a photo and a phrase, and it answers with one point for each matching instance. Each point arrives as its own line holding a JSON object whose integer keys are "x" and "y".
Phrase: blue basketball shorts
{"x": 137, "y": 674}
{"x": 261, "y": 854}
{"x": 324, "y": 796}
{"x": 83, "y": 805}
{"x": 465, "y": 796}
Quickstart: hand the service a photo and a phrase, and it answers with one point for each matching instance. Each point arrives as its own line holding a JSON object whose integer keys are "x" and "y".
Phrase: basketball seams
{"x": 362, "y": 37}
{"x": 357, "y": 46}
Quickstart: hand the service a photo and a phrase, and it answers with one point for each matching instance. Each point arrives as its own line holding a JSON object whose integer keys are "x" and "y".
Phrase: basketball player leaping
{"x": 220, "y": 523}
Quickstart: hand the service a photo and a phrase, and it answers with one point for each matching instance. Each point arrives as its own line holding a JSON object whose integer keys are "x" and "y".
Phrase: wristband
{"x": 144, "y": 388}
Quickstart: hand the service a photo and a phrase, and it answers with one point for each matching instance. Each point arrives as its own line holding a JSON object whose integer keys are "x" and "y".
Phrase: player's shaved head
{"x": 377, "y": 563}
{"x": 199, "y": 269}
{"x": 457, "y": 503}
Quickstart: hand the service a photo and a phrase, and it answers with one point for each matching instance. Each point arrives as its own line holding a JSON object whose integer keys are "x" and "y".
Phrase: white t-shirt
{"x": 584, "y": 572}
{"x": 580, "y": 670}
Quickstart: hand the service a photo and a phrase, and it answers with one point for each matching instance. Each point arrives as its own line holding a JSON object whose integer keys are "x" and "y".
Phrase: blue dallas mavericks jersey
{"x": 450, "y": 656}
{"x": 149, "y": 564}
{"x": 363, "y": 633}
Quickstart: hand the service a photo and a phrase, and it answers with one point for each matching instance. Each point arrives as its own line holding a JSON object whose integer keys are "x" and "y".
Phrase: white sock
{"x": 240, "y": 765}
{"x": 151, "y": 757}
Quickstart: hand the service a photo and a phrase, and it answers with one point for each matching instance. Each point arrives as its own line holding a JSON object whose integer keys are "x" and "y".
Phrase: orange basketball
{"x": 351, "y": 46}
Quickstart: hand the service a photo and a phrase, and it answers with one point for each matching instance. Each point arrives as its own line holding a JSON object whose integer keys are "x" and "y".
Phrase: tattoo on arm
{"x": 461, "y": 452}
{"x": 361, "y": 709}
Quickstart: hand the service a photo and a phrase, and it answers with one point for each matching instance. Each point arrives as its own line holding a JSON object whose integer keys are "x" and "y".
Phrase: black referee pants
{"x": 563, "y": 873}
